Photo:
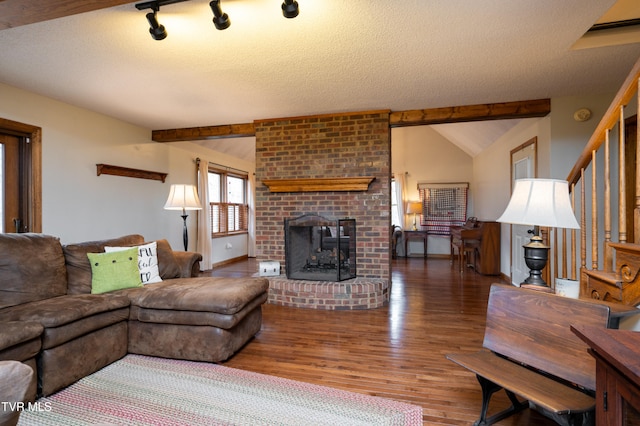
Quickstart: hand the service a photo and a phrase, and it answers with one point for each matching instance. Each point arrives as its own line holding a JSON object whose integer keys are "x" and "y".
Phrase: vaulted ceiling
{"x": 335, "y": 56}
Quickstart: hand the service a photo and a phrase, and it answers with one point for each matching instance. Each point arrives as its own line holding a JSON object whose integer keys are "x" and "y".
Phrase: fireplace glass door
{"x": 320, "y": 249}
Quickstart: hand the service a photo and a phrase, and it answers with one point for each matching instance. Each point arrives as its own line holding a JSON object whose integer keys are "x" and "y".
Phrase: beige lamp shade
{"x": 414, "y": 207}
{"x": 183, "y": 197}
{"x": 541, "y": 202}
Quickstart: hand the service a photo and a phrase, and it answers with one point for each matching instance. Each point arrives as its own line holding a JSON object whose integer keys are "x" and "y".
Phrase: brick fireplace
{"x": 336, "y": 146}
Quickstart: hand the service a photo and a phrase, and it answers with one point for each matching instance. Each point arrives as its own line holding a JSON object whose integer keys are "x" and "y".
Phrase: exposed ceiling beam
{"x": 459, "y": 114}
{"x": 204, "y": 133}
{"x": 480, "y": 112}
{"x": 15, "y": 13}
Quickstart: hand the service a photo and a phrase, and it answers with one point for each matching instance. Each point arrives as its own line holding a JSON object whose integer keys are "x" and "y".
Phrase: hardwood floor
{"x": 395, "y": 352}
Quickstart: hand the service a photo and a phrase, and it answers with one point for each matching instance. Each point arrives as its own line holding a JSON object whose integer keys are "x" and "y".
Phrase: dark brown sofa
{"x": 51, "y": 322}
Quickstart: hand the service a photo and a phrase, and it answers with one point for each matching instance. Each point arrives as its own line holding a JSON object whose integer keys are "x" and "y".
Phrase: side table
{"x": 421, "y": 235}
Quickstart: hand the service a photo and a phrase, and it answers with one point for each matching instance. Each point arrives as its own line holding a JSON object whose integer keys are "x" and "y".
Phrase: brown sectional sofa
{"x": 50, "y": 321}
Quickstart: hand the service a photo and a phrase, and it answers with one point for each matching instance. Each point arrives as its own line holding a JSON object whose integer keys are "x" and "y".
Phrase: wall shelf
{"x": 106, "y": 169}
{"x": 360, "y": 183}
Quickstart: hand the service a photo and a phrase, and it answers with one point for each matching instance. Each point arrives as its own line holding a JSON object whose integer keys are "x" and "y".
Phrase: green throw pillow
{"x": 114, "y": 271}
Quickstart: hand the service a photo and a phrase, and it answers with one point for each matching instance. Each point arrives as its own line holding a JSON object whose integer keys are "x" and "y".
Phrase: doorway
{"x": 20, "y": 177}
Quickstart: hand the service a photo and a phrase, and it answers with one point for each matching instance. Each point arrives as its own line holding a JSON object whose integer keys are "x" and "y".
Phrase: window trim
{"x": 224, "y": 205}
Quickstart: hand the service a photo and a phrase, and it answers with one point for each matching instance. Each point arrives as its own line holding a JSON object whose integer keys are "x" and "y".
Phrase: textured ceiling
{"x": 335, "y": 56}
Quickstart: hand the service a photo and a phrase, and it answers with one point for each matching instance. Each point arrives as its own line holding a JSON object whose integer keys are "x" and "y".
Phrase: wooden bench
{"x": 530, "y": 351}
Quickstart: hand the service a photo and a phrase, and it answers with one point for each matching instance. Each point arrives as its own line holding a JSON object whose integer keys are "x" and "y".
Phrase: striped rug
{"x": 140, "y": 390}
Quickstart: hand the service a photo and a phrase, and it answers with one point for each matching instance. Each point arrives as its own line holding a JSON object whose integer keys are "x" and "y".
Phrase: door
{"x": 14, "y": 153}
{"x": 21, "y": 162}
{"x": 523, "y": 165}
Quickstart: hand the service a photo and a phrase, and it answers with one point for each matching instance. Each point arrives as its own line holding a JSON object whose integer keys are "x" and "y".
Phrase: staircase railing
{"x": 595, "y": 210}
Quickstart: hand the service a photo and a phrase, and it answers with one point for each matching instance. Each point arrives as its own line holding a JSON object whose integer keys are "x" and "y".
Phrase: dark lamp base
{"x": 535, "y": 256}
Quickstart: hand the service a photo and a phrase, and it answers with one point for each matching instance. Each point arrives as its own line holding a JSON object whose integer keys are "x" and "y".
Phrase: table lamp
{"x": 539, "y": 202}
{"x": 183, "y": 197}
{"x": 414, "y": 207}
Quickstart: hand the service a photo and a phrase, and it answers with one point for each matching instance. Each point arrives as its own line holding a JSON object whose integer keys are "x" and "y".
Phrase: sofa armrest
{"x": 189, "y": 262}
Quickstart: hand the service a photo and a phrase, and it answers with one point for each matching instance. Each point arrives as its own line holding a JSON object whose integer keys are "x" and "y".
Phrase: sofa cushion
{"x": 78, "y": 266}
{"x": 56, "y": 336}
{"x": 168, "y": 265}
{"x": 20, "y": 340}
{"x": 67, "y": 317}
{"x": 31, "y": 268}
{"x": 114, "y": 271}
{"x": 147, "y": 261}
{"x": 62, "y": 310}
{"x": 205, "y": 294}
{"x": 195, "y": 318}
{"x": 62, "y": 365}
{"x": 16, "y": 332}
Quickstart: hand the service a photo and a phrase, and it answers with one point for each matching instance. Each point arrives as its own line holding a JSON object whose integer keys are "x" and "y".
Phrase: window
{"x": 228, "y": 201}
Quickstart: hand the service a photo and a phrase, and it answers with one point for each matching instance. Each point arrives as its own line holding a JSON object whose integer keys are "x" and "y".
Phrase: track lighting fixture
{"x": 157, "y": 31}
{"x": 220, "y": 19}
{"x": 290, "y": 8}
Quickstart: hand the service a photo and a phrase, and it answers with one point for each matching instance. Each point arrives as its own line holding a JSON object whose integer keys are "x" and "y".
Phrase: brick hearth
{"x": 328, "y": 146}
{"x": 356, "y": 293}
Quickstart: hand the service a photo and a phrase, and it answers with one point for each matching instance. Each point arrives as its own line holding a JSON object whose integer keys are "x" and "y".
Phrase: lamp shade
{"x": 414, "y": 207}
{"x": 183, "y": 197}
{"x": 541, "y": 202}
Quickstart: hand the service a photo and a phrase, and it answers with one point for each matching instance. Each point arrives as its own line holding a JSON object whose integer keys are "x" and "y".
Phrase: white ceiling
{"x": 335, "y": 56}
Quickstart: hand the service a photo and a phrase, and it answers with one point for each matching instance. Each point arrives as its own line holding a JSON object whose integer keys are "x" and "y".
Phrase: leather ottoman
{"x": 198, "y": 319}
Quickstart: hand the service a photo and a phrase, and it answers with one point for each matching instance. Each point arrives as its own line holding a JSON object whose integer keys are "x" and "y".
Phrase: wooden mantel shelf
{"x": 107, "y": 169}
{"x": 360, "y": 183}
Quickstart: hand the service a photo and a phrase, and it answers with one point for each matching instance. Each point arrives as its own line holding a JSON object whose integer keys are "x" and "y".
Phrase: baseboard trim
{"x": 229, "y": 261}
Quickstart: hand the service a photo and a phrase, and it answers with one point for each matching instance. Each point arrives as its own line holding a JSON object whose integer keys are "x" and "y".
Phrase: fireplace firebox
{"x": 320, "y": 249}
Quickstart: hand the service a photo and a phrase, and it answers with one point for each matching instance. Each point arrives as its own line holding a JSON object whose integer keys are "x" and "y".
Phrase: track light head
{"x": 220, "y": 20}
{"x": 290, "y": 8}
{"x": 157, "y": 31}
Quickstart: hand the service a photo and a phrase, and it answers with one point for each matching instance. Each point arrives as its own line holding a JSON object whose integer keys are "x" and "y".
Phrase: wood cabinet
{"x": 484, "y": 239}
{"x": 617, "y": 354}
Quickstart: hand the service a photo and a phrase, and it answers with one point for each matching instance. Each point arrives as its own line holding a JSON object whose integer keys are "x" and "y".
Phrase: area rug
{"x": 140, "y": 390}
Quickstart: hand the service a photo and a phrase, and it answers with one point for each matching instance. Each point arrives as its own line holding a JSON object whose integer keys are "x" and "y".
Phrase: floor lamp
{"x": 539, "y": 202}
{"x": 183, "y": 197}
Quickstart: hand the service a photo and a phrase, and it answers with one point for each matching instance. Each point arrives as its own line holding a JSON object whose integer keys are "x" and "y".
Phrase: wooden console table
{"x": 421, "y": 235}
{"x": 617, "y": 354}
{"x": 481, "y": 239}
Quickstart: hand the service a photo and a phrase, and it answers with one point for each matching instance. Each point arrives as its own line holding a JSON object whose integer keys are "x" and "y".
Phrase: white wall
{"x": 560, "y": 141}
{"x": 492, "y": 176}
{"x": 427, "y": 156}
{"x": 570, "y": 136}
{"x": 79, "y": 206}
